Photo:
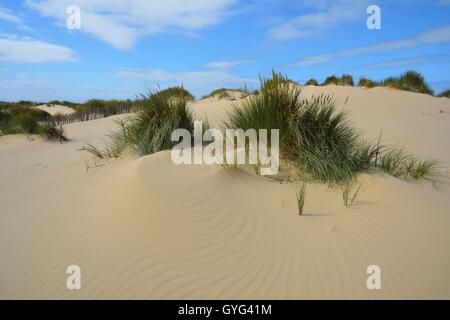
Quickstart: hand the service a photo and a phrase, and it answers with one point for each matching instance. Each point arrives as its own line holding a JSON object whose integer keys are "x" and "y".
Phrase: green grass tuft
{"x": 301, "y": 194}
{"x": 397, "y": 163}
{"x": 350, "y": 191}
{"x": 52, "y": 132}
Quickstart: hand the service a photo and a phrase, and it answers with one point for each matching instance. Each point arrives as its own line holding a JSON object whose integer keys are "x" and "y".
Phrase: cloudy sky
{"x": 124, "y": 48}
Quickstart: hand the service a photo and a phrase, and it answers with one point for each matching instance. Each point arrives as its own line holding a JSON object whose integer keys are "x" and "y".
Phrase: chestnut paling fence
{"x": 88, "y": 114}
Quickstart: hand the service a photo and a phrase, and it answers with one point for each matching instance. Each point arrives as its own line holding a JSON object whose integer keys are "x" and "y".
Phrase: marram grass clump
{"x": 409, "y": 81}
{"x": 316, "y": 137}
{"x": 52, "y": 132}
{"x": 313, "y": 134}
{"x": 150, "y": 129}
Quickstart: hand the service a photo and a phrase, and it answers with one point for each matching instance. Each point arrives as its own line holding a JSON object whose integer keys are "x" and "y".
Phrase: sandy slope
{"x": 56, "y": 109}
{"x": 144, "y": 228}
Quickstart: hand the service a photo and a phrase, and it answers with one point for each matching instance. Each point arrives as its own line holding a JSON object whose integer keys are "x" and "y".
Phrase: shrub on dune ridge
{"x": 346, "y": 80}
{"x": 177, "y": 92}
{"x": 311, "y": 82}
{"x": 224, "y": 93}
{"x": 330, "y": 80}
{"x": 364, "y": 82}
{"x": 409, "y": 81}
{"x": 415, "y": 82}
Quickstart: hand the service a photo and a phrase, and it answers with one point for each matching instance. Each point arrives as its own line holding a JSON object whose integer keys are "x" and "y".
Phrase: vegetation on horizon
{"x": 226, "y": 93}
{"x": 174, "y": 92}
{"x": 364, "y": 82}
{"x": 445, "y": 93}
{"x": 311, "y": 82}
{"x": 409, "y": 81}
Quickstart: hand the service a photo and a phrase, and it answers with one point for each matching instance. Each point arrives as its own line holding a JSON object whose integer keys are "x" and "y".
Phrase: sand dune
{"x": 56, "y": 109}
{"x": 145, "y": 228}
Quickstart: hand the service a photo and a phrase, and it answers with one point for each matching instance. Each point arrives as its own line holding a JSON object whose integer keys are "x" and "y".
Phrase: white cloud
{"x": 226, "y": 64}
{"x": 122, "y": 23}
{"x": 26, "y": 50}
{"x": 327, "y": 14}
{"x": 406, "y": 62}
{"x": 8, "y": 16}
{"x": 438, "y": 35}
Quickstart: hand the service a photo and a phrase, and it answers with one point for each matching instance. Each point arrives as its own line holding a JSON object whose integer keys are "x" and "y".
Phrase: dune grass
{"x": 301, "y": 195}
{"x": 312, "y": 132}
{"x": 150, "y": 129}
{"x": 409, "y": 81}
{"x": 52, "y": 132}
{"x": 318, "y": 138}
{"x": 396, "y": 162}
{"x": 351, "y": 190}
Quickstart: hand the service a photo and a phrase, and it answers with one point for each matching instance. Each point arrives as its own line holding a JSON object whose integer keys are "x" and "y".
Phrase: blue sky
{"x": 129, "y": 47}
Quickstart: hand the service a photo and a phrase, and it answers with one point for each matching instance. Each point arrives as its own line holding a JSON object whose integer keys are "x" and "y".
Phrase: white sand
{"x": 145, "y": 228}
{"x": 56, "y": 109}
